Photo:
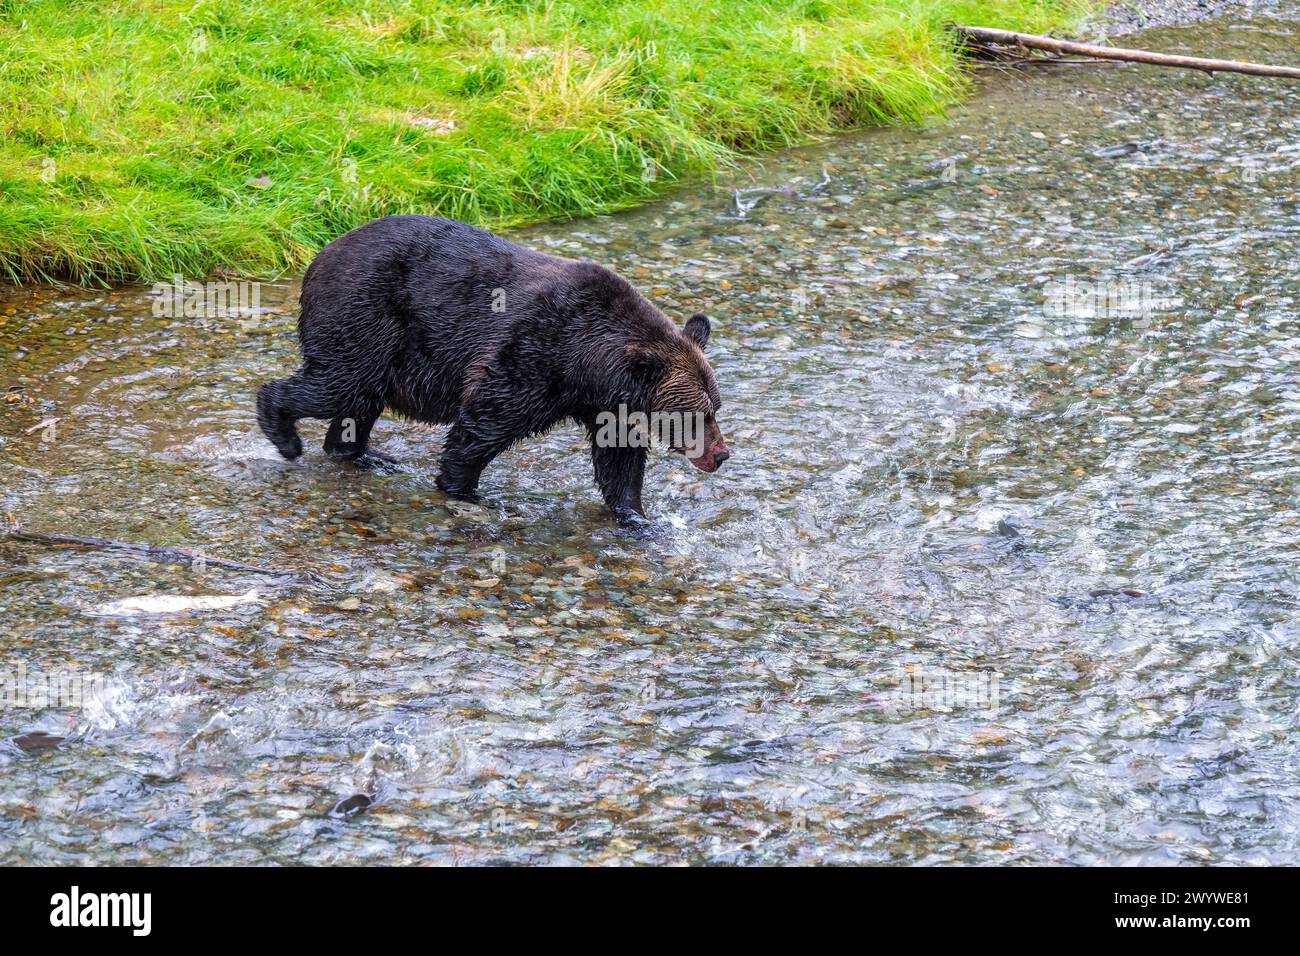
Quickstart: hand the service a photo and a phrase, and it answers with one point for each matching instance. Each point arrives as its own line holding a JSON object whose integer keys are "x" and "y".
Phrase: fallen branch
{"x": 985, "y": 35}
{"x": 153, "y": 552}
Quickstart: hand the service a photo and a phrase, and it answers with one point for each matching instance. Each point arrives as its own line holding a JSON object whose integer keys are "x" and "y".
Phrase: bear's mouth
{"x": 712, "y": 459}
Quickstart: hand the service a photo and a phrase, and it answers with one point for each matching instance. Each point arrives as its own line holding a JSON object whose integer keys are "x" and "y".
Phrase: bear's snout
{"x": 712, "y": 458}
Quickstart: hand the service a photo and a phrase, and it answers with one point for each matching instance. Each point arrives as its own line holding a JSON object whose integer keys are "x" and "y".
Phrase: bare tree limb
{"x": 986, "y": 35}
{"x": 153, "y": 552}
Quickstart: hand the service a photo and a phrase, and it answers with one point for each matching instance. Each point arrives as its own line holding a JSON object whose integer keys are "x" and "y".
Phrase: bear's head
{"x": 685, "y": 399}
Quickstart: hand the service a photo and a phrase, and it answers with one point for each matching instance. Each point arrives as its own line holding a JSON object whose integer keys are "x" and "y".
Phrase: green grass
{"x": 147, "y": 137}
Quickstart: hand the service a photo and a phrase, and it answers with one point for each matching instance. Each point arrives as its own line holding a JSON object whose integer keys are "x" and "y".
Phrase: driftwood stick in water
{"x": 152, "y": 552}
{"x": 1012, "y": 38}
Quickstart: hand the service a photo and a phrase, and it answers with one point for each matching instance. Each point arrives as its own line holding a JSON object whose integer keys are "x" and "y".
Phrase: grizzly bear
{"x": 445, "y": 323}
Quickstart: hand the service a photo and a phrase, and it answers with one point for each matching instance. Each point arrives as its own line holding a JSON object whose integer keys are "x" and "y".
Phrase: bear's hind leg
{"x": 307, "y": 394}
{"x": 349, "y": 436}
{"x": 275, "y": 417}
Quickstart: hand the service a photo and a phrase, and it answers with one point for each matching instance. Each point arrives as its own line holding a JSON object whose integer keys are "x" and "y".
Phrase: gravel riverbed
{"x": 1123, "y": 18}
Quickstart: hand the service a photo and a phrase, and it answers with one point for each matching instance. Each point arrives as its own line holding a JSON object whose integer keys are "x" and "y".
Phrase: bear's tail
{"x": 277, "y": 424}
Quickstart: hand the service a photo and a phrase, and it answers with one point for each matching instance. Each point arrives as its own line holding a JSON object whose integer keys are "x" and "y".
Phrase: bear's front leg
{"x": 619, "y": 475}
{"x": 463, "y": 459}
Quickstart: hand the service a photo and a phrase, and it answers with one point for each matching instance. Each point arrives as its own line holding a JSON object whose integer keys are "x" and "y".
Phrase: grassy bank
{"x": 146, "y": 137}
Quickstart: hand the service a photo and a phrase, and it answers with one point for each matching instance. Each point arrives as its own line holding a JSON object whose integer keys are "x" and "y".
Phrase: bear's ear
{"x": 697, "y": 329}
